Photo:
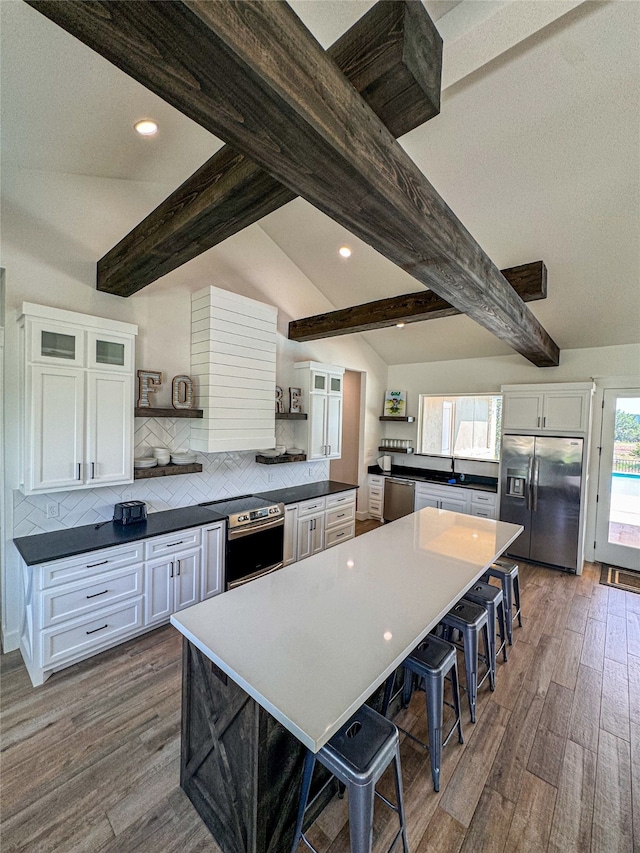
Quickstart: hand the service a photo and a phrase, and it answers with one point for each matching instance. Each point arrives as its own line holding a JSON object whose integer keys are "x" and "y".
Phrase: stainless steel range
{"x": 255, "y": 537}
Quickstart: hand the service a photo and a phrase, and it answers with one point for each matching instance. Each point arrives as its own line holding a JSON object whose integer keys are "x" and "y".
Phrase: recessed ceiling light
{"x": 400, "y": 325}
{"x": 146, "y": 127}
{"x": 345, "y": 251}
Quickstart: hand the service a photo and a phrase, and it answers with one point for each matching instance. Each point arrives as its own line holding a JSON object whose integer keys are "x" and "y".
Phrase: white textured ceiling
{"x": 537, "y": 151}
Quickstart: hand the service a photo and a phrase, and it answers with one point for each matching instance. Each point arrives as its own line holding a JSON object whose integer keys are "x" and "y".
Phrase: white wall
{"x": 55, "y": 227}
{"x": 606, "y": 365}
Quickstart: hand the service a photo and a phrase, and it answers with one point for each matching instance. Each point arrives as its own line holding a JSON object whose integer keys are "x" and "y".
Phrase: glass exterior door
{"x": 618, "y": 514}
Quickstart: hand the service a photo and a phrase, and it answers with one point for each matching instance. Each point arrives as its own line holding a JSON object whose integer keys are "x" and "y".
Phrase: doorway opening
{"x": 345, "y": 469}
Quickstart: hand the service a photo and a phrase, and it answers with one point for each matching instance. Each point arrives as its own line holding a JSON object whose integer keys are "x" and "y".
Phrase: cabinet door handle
{"x": 79, "y": 477}
{"x": 93, "y": 470}
{"x": 97, "y": 629}
{"x": 171, "y": 575}
{"x": 178, "y": 572}
{"x": 544, "y": 421}
{"x": 538, "y": 421}
{"x": 102, "y": 563}
{"x": 96, "y": 594}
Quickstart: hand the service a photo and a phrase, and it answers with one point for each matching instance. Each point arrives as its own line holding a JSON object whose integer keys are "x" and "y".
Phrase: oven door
{"x": 254, "y": 552}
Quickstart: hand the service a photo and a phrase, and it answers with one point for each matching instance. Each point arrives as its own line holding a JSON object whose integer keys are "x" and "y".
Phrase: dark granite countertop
{"x": 295, "y": 494}
{"x": 59, "y": 544}
{"x": 440, "y": 478}
{"x": 45, "y": 547}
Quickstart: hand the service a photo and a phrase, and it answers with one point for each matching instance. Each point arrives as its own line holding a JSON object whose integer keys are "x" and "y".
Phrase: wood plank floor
{"x": 90, "y": 760}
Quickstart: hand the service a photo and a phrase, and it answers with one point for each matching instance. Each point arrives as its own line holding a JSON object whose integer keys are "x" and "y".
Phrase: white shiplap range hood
{"x": 233, "y": 365}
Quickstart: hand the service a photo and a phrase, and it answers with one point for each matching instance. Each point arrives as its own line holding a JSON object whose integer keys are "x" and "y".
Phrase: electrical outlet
{"x": 311, "y": 472}
{"x": 52, "y": 509}
{"x": 127, "y": 496}
{"x": 270, "y": 478}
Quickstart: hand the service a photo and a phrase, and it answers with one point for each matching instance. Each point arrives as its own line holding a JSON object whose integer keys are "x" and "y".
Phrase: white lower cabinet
{"x": 310, "y": 535}
{"x": 455, "y": 499}
{"x": 290, "y": 550}
{"x": 171, "y": 584}
{"x": 213, "y": 542}
{"x": 376, "y": 495}
{"x": 82, "y": 605}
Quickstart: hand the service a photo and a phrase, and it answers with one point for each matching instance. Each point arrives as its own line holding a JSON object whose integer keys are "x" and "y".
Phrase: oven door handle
{"x": 260, "y": 573}
{"x": 249, "y": 531}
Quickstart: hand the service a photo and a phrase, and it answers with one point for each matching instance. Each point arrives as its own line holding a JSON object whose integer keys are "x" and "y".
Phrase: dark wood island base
{"x": 241, "y": 768}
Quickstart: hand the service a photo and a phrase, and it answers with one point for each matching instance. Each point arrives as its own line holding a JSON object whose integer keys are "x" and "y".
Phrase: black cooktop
{"x": 241, "y": 504}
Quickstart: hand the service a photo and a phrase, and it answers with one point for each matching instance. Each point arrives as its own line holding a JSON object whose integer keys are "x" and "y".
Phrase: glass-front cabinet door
{"x": 109, "y": 352}
{"x": 52, "y": 343}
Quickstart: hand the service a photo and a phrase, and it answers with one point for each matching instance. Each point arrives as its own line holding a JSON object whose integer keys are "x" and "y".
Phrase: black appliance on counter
{"x": 255, "y": 537}
{"x": 130, "y": 512}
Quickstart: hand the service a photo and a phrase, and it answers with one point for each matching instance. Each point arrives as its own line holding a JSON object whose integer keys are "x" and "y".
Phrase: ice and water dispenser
{"x": 516, "y": 482}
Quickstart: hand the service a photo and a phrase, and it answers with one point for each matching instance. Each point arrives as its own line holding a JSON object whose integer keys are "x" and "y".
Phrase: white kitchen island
{"x": 306, "y": 647}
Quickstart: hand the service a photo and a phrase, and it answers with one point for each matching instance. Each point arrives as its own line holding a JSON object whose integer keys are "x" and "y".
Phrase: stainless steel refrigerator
{"x": 541, "y": 479}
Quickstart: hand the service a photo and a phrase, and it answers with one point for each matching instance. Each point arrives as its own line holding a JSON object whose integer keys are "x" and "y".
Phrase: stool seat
{"x": 357, "y": 755}
{"x": 433, "y": 656}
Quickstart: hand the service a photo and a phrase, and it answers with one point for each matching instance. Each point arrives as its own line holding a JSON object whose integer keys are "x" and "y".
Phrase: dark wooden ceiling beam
{"x": 253, "y": 75}
{"x": 392, "y": 55}
{"x": 528, "y": 280}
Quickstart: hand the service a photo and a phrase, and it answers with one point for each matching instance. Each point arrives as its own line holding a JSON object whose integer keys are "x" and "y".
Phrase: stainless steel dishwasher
{"x": 398, "y": 498}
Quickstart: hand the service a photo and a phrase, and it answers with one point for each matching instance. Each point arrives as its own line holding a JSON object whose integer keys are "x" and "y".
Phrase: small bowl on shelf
{"x": 270, "y": 452}
{"x": 145, "y": 462}
{"x": 295, "y": 451}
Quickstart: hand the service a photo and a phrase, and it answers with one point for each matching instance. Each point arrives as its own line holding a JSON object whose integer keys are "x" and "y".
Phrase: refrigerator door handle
{"x": 536, "y": 470}
{"x": 529, "y": 483}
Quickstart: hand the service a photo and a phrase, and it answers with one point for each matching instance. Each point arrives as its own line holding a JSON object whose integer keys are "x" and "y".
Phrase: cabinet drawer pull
{"x": 342, "y": 515}
{"x": 96, "y": 594}
{"x": 171, "y": 544}
{"x": 97, "y": 629}
{"x": 339, "y": 535}
{"x": 102, "y": 563}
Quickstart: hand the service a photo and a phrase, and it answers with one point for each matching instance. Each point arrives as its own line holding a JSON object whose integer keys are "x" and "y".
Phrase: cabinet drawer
{"x": 374, "y": 480}
{"x": 339, "y": 534}
{"x": 311, "y": 507}
{"x": 82, "y": 635}
{"x": 375, "y": 493}
{"x": 340, "y": 515}
{"x": 375, "y": 508}
{"x": 77, "y": 599}
{"x": 483, "y": 511}
{"x": 341, "y": 499}
{"x": 89, "y": 565}
{"x": 484, "y": 498}
{"x": 160, "y": 546}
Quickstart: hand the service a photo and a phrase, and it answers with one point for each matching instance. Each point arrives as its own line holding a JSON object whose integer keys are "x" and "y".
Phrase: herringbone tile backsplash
{"x": 224, "y": 475}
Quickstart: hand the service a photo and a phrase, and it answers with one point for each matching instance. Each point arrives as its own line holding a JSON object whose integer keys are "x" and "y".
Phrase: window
{"x": 467, "y": 427}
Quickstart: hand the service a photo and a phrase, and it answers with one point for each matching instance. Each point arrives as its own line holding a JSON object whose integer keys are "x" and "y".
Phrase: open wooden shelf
{"x": 409, "y": 419}
{"x": 279, "y": 460}
{"x": 166, "y": 471}
{"x": 150, "y": 412}
{"x": 396, "y": 449}
{"x": 291, "y": 416}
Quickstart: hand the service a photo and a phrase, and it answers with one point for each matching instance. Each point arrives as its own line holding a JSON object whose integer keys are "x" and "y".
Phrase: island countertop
{"x": 311, "y": 642}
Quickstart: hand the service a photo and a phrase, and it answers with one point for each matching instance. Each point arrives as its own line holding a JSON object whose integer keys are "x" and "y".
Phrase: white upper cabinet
{"x": 558, "y": 408}
{"x": 78, "y": 398}
{"x": 321, "y": 434}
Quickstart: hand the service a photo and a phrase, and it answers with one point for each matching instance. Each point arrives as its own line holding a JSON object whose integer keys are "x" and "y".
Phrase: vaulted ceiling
{"x": 536, "y": 150}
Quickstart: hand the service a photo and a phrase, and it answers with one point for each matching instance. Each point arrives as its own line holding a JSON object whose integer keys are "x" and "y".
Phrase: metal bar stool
{"x": 432, "y": 661}
{"x": 491, "y": 598}
{"x": 357, "y": 755}
{"x": 471, "y": 620}
{"x": 507, "y": 573}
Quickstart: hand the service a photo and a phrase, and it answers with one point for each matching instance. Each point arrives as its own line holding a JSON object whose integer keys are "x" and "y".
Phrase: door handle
{"x": 178, "y": 573}
{"x": 79, "y": 476}
{"x": 171, "y": 575}
{"x": 93, "y": 470}
{"x": 529, "y": 486}
{"x": 535, "y": 484}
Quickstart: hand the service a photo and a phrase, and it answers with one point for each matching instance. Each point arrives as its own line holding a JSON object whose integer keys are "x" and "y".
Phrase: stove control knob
{"x": 243, "y": 518}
